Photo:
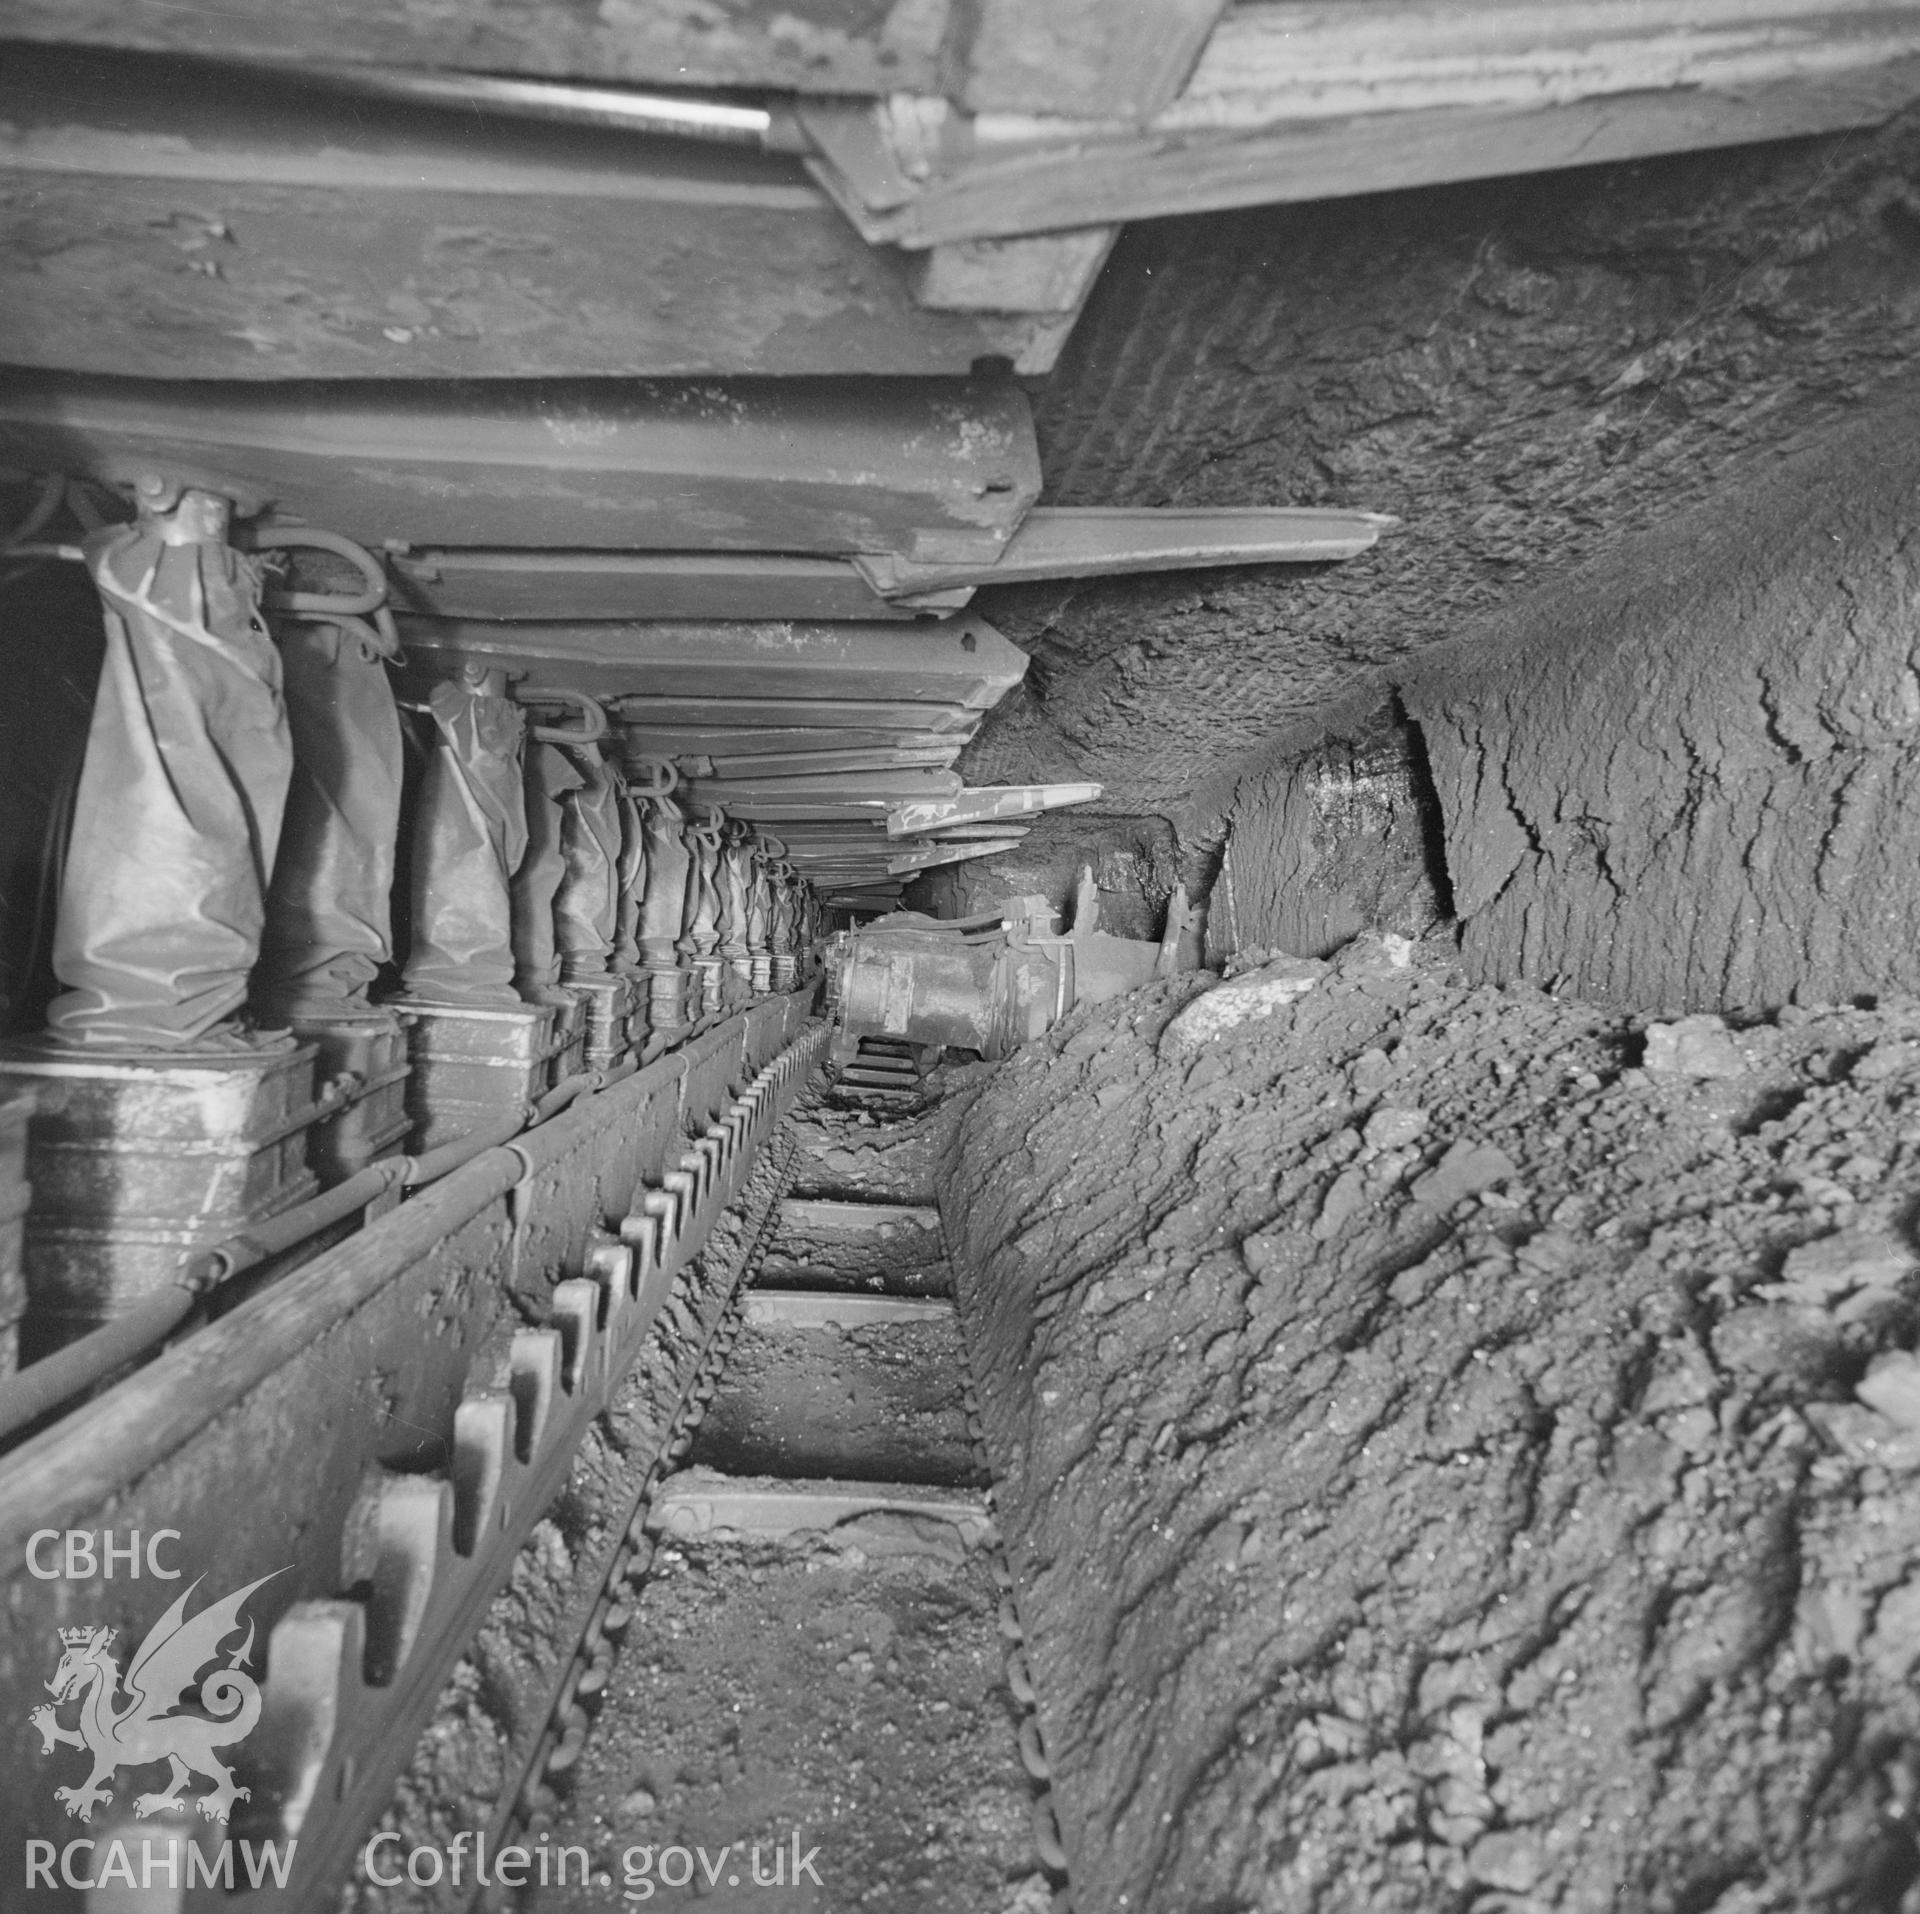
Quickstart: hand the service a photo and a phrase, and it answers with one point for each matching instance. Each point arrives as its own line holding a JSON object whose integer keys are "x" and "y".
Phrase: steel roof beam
{"x": 933, "y": 470}
{"x": 882, "y": 787}
{"x": 960, "y": 660}
{"x": 745, "y": 748}
{"x": 934, "y": 854}
{"x": 581, "y": 586}
{"x": 1104, "y": 541}
{"x": 649, "y": 714}
{"x": 807, "y": 764}
{"x": 984, "y": 804}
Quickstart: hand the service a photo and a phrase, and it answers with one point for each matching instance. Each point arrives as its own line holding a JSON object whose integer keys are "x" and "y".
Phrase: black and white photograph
{"x": 959, "y": 956}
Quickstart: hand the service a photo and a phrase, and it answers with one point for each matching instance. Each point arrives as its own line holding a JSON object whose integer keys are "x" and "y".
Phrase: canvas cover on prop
{"x": 178, "y": 812}
{"x": 586, "y": 907}
{"x": 329, "y": 908}
{"x": 550, "y": 776}
{"x": 470, "y": 835}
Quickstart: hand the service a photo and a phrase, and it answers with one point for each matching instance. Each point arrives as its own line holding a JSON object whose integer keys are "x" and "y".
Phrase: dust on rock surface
{"x": 847, "y": 1151}
{"x": 1525, "y": 371}
{"x": 848, "y": 1154}
{"x": 882, "y": 1402}
{"x": 851, "y": 1702}
{"x": 1449, "y": 1464}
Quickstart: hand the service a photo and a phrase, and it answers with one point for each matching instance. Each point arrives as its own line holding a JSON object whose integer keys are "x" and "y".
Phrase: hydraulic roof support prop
{"x": 700, "y": 939}
{"x": 162, "y": 1122}
{"x": 329, "y": 928}
{"x": 182, "y": 791}
{"x": 664, "y": 902}
{"x": 479, "y": 1051}
{"x": 586, "y": 907}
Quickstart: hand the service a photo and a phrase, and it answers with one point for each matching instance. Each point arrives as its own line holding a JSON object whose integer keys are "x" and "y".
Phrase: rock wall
{"x": 1525, "y": 371}
{"x": 1458, "y": 1448}
{"x": 1135, "y": 863}
{"x": 1688, "y": 775}
{"x": 1324, "y": 844}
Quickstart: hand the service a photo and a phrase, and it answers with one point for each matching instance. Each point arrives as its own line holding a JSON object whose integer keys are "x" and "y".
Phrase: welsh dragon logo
{"x": 151, "y": 1727}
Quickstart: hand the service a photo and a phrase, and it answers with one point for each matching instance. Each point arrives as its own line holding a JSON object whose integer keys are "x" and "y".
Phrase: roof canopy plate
{"x": 937, "y": 471}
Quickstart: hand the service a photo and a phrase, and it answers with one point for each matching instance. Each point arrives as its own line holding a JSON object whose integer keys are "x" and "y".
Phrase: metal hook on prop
{"x": 593, "y": 715}
{"x": 662, "y": 777}
{"x": 274, "y": 538}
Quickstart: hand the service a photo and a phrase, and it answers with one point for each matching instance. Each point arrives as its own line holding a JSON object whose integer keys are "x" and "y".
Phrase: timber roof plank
{"x": 201, "y": 230}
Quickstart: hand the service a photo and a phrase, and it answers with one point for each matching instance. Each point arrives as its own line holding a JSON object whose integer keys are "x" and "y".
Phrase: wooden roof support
{"x": 1077, "y": 56}
{"x": 189, "y": 225}
{"x": 746, "y": 43}
{"x": 1297, "y": 100}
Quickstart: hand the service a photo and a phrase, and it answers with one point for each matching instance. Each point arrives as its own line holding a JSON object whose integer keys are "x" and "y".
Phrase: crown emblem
{"x": 79, "y": 1637}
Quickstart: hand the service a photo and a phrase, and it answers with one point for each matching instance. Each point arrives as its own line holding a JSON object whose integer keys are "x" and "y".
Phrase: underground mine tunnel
{"x": 960, "y": 959}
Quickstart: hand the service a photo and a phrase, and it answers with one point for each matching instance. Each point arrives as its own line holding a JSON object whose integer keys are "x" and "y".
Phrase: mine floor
{"x": 810, "y": 1691}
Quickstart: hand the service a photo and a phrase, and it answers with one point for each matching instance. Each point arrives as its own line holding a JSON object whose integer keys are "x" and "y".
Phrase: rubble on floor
{"x": 1459, "y": 1449}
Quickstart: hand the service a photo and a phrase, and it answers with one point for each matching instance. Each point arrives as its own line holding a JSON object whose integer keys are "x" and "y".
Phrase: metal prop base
{"x": 136, "y": 1162}
{"x": 608, "y": 1003}
{"x": 472, "y": 1065}
{"x": 373, "y": 1121}
{"x": 710, "y": 974}
{"x": 667, "y": 992}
